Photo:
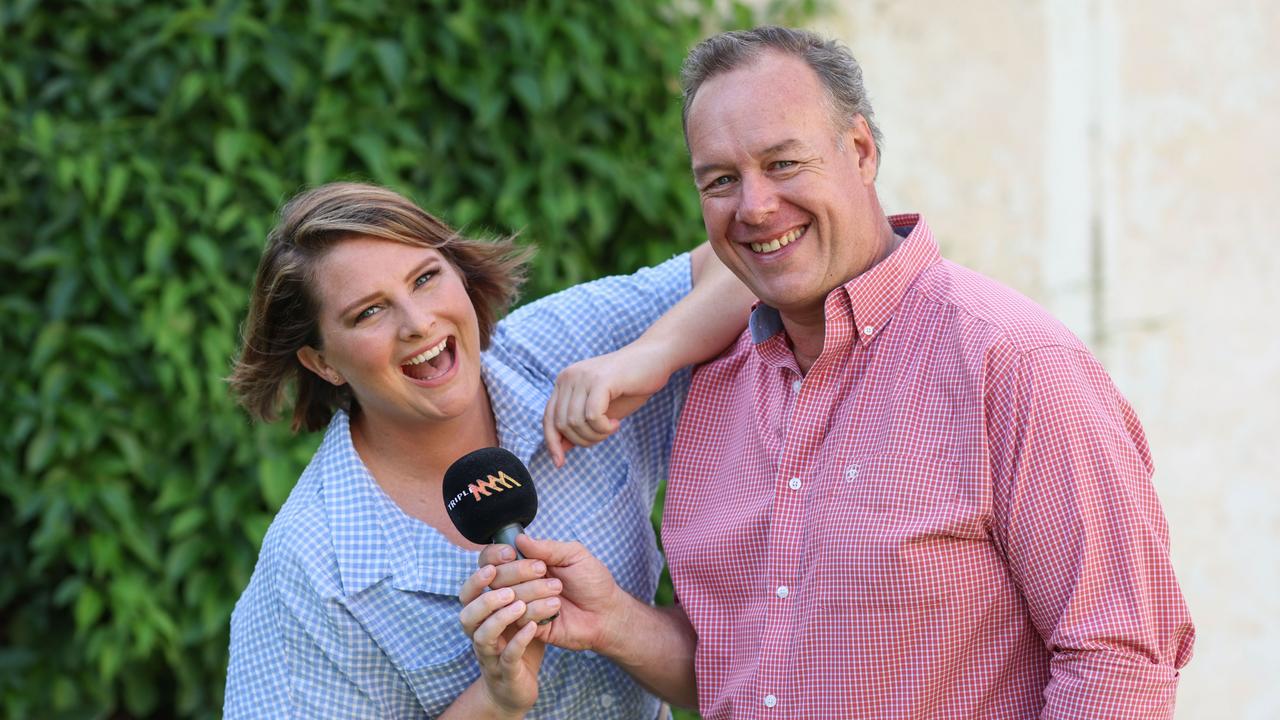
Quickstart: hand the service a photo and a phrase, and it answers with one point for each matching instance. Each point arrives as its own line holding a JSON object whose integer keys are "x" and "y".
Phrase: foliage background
{"x": 145, "y": 147}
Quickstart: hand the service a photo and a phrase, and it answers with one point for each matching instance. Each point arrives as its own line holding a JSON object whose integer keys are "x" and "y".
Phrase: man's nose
{"x": 758, "y": 201}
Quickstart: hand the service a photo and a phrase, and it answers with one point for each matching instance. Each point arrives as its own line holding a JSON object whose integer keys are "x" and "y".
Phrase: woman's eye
{"x": 367, "y": 313}
{"x": 424, "y": 278}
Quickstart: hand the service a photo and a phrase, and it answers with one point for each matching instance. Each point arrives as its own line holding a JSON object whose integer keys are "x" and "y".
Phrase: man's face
{"x": 786, "y": 208}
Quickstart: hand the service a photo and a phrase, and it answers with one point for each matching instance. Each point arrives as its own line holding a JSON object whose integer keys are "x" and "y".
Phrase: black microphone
{"x": 489, "y": 496}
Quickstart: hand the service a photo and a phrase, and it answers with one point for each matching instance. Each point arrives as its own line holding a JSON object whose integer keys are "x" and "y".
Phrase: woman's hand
{"x": 507, "y": 653}
{"x": 592, "y": 396}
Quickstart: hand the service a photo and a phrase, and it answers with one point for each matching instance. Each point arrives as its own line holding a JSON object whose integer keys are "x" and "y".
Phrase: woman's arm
{"x": 592, "y": 396}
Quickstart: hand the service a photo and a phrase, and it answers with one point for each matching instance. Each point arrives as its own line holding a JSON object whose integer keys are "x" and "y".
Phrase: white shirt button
{"x": 795, "y": 386}
{"x": 606, "y": 700}
{"x": 868, "y": 329}
{"x": 782, "y": 592}
{"x": 851, "y": 473}
{"x": 770, "y": 701}
{"x": 794, "y": 483}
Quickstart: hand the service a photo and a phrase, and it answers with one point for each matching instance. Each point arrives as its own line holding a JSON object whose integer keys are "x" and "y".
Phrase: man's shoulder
{"x": 736, "y": 359}
{"x": 987, "y": 310}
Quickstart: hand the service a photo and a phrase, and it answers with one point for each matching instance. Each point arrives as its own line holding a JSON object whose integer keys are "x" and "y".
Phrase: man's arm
{"x": 592, "y": 396}
{"x": 1081, "y": 527}
{"x": 654, "y": 645}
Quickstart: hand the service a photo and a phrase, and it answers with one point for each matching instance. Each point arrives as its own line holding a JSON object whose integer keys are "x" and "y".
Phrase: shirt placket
{"x": 802, "y": 400}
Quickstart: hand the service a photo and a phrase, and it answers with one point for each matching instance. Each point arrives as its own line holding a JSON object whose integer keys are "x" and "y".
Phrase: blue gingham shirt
{"x": 352, "y": 610}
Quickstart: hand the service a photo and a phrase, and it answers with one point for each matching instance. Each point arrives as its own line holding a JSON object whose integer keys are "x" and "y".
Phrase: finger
{"x": 517, "y": 644}
{"x": 555, "y": 444}
{"x": 476, "y": 583}
{"x": 598, "y": 424}
{"x": 497, "y": 554}
{"x": 539, "y": 610}
{"x": 487, "y": 638}
{"x": 476, "y": 612}
{"x": 514, "y": 573}
{"x": 537, "y": 589}
{"x": 552, "y": 552}
{"x": 569, "y": 413}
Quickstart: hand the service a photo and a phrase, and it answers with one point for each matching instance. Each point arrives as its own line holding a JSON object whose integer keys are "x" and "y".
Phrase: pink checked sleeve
{"x": 1081, "y": 527}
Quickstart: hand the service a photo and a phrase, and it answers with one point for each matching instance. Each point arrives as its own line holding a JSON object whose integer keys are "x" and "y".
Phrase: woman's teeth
{"x": 428, "y": 354}
{"x": 781, "y": 242}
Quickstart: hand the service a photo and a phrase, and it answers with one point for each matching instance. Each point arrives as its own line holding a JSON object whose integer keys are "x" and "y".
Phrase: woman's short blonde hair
{"x": 284, "y": 306}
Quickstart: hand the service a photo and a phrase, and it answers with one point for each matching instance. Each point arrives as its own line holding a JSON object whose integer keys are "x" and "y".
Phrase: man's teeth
{"x": 781, "y": 242}
{"x": 418, "y": 360}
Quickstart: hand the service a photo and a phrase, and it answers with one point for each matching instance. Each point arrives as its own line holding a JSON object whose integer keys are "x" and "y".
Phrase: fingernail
{"x": 507, "y": 553}
{"x": 539, "y": 567}
{"x": 554, "y": 584}
{"x": 553, "y": 602}
{"x": 507, "y": 594}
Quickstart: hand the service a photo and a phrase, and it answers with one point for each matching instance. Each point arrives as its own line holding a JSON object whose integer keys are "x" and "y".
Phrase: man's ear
{"x": 313, "y": 360}
{"x": 858, "y": 139}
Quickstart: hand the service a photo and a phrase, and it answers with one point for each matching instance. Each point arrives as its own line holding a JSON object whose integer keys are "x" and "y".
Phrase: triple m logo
{"x": 484, "y": 488}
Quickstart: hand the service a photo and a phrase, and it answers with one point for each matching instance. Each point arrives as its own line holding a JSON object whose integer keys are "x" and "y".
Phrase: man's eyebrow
{"x": 790, "y": 145}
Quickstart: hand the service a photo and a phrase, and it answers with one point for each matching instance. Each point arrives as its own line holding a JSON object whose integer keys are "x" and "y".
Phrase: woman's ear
{"x": 313, "y": 360}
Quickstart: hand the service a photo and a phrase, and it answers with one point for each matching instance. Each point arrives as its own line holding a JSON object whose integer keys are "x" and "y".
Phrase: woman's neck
{"x": 408, "y": 460}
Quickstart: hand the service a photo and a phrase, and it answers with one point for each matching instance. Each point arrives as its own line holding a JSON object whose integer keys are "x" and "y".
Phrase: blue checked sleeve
{"x": 590, "y": 319}
{"x": 294, "y": 653}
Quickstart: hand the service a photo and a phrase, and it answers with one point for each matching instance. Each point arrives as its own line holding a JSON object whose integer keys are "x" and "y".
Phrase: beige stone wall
{"x": 1111, "y": 159}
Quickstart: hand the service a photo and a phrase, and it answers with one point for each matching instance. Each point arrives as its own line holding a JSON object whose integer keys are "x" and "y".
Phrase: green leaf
{"x": 228, "y": 147}
{"x": 391, "y": 62}
{"x": 89, "y": 607}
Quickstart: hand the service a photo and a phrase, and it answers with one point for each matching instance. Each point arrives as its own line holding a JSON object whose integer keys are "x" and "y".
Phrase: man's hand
{"x": 591, "y": 603}
{"x": 592, "y": 396}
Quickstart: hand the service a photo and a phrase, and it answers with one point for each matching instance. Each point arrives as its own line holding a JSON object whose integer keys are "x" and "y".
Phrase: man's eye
{"x": 720, "y": 181}
{"x": 784, "y": 164}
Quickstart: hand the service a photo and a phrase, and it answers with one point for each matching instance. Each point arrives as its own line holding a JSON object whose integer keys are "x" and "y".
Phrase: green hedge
{"x": 144, "y": 148}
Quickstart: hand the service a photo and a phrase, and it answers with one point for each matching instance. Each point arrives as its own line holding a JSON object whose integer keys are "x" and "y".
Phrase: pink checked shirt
{"x": 950, "y": 516}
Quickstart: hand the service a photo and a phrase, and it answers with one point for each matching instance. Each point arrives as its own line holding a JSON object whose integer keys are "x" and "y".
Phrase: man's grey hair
{"x": 830, "y": 59}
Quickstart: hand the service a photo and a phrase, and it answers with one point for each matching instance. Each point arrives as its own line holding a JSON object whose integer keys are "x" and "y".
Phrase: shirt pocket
{"x": 884, "y": 533}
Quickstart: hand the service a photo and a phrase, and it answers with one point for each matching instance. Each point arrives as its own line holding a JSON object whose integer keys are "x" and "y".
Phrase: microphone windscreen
{"x": 486, "y": 490}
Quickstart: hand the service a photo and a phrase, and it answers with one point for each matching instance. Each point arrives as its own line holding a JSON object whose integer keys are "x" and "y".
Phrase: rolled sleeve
{"x": 1087, "y": 543}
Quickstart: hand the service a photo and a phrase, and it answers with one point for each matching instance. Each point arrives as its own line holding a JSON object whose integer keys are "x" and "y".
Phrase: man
{"x": 907, "y": 491}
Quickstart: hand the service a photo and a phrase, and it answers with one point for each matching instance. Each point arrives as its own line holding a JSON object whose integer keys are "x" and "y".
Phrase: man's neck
{"x": 806, "y": 333}
{"x": 807, "y": 327}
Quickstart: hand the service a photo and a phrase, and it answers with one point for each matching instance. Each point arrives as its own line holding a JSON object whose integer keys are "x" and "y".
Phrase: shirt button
{"x": 795, "y": 386}
{"x": 794, "y": 483}
{"x": 606, "y": 700}
{"x": 868, "y": 329}
{"x": 770, "y": 701}
{"x": 851, "y": 473}
{"x": 782, "y": 592}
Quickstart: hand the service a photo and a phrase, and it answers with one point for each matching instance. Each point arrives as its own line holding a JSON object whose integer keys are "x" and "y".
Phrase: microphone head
{"x": 487, "y": 490}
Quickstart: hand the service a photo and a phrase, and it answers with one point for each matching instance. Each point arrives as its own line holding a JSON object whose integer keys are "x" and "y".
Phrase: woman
{"x": 382, "y": 321}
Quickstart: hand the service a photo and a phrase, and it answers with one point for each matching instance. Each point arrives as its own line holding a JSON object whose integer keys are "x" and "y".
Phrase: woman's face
{"x": 397, "y": 325}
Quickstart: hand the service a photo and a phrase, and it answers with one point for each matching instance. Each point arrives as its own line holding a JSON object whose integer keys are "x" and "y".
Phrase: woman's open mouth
{"x": 433, "y": 362}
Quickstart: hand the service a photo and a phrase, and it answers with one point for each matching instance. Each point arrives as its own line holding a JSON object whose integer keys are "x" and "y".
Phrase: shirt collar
{"x": 373, "y": 539}
{"x": 875, "y": 294}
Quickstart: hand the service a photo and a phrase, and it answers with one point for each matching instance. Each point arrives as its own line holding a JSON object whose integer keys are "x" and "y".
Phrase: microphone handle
{"x": 506, "y": 535}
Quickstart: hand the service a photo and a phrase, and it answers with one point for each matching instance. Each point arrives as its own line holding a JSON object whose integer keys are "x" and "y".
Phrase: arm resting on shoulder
{"x": 592, "y": 396}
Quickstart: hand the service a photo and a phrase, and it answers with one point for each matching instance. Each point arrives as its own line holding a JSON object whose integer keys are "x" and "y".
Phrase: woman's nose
{"x": 415, "y": 323}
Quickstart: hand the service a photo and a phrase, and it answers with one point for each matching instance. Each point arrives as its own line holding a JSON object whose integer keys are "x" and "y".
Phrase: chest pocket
{"x": 886, "y": 533}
